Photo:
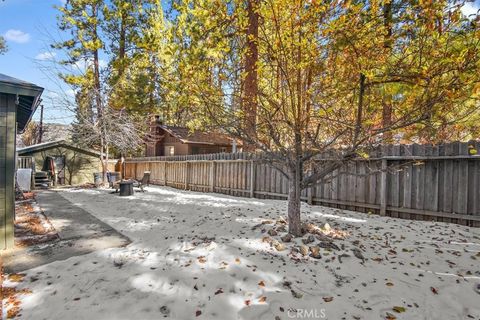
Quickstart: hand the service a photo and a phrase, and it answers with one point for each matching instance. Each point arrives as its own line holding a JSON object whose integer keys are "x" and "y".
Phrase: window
{"x": 169, "y": 150}
{"x": 223, "y": 149}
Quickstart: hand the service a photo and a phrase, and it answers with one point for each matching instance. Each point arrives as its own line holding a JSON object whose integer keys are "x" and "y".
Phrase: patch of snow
{"x": 203, "y": 254}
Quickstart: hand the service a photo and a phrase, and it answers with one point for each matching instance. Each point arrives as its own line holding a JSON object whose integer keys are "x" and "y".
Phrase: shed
{"x": 73, "y": 164}
{"x": 18, "y": 101}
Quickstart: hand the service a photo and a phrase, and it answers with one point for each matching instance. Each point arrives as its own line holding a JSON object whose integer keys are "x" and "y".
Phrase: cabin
{"x": 65, "y": 162}
{"x": 164, "y": 140}
{"x": 18, "y": 102}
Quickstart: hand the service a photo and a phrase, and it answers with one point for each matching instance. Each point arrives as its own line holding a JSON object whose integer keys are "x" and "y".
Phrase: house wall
{"x": 182, "y": 149}
{"x": 79, "y": 166}
{"x": 206, "y": 148}
{"x": 7, "y": 169}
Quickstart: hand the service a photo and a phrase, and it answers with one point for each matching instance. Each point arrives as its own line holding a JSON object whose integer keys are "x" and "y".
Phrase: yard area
{"x": 209, "y": 256}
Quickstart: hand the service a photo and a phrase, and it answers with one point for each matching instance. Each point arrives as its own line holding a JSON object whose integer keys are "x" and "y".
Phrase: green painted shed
{"x": 18, "y": 101}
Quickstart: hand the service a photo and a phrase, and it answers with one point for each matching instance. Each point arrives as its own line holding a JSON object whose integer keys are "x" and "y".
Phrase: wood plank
{"x": 384, "y": 188}
{"x": 252, "y": 178}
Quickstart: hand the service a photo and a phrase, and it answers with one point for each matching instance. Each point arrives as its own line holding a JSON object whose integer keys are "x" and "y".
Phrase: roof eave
{"x": 57, "y": 144}
{"x": 23, "y": 90}
{"x": 35, "y": 104}
{"x": 20, "y": 89}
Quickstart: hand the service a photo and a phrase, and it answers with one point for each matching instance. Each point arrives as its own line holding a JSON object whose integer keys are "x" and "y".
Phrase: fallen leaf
{"x": 398, "y": 309}
{"x": 390, "y": 316}
{"x": 247, "y": 302}
{"x": 202, "y": 259}
{"x": 279, "y": 246}
{"x": 261, "y": 284}
{"x": 327, "y": 299}
{"x": 296, "y": 294}
{"x": 237, "y": 260}
{"x": 434, "y": 290}
{"x": 16, "y": 277}
{"x": 197, "y": 313}
{"x": 262, "y": 299}
{"x": 219, "y": 291}
{"x": 389, "y": 284}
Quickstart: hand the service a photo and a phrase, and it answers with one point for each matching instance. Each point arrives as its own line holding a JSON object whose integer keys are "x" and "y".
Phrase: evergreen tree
{"x": 3, "y": 45}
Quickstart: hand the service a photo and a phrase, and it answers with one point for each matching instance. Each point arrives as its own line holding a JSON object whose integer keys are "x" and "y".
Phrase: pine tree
{"x": 83, "y": 20}
{"x": 3, "y": 45}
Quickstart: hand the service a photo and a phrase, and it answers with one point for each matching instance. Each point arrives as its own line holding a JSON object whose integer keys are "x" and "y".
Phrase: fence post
{"x": 383, "y": 188}
{"x": 252, "y": 179}
{"x": 212, "y": 177}
{"x": 186, "y": 174}
{"x": 309, "y": 191}
{"x": 165, "y": 173}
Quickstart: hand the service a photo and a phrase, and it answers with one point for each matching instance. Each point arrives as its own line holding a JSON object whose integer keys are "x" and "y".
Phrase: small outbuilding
{"x": 66, "y": 163}
{"x": 18, "y": 101}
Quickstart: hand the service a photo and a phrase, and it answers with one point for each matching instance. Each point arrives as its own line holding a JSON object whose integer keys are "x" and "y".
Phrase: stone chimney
{"x": 158, "y": 120}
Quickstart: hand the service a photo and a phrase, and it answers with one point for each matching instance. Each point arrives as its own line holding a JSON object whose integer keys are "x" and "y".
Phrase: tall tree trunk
{"x": 387, "y": 44}
{"x": 358, "y": 124}
{"x": 122, "y": 44}
{"x": 96, "y": 67}
{"x": 294, "y": 204}
{"x": 97, "y": 89}
{"x": 251, "y": 78}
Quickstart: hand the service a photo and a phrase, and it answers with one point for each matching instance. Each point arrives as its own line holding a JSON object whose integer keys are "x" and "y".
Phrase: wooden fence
{"x": 423, "y": 182}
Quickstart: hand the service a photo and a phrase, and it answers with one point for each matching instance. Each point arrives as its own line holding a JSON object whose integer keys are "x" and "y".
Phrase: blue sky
{"x": 29, "y": 26}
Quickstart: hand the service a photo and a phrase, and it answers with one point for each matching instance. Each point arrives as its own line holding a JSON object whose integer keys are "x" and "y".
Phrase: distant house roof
{"x": 199, "y": 137}
{"x": 28, "y": 97}
{"x": 56, "y": 144}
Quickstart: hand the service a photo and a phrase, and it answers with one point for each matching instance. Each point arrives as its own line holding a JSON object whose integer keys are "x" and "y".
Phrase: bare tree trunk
{"x": 40, "y": 129}
{"x": 105, "y": 166}
{"x": 102, "y": 160}
{"x": 294, "y": 204}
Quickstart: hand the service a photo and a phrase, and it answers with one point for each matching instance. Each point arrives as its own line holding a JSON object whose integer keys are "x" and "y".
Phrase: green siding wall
{"x": 7, "y": 169}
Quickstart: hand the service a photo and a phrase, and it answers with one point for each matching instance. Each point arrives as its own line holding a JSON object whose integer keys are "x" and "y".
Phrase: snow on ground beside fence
{"x": 207, "y": 256}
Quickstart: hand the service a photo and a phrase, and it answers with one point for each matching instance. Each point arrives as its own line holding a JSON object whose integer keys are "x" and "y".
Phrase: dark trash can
{"x": 113, "y": 177}
{"x": 97, "y": 178}
{"x": 116, "y": 176}
{"x": 126, "y": 188}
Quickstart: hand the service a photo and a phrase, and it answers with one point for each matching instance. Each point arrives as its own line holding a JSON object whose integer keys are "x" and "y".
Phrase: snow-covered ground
{"x": 208, "y": 256}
